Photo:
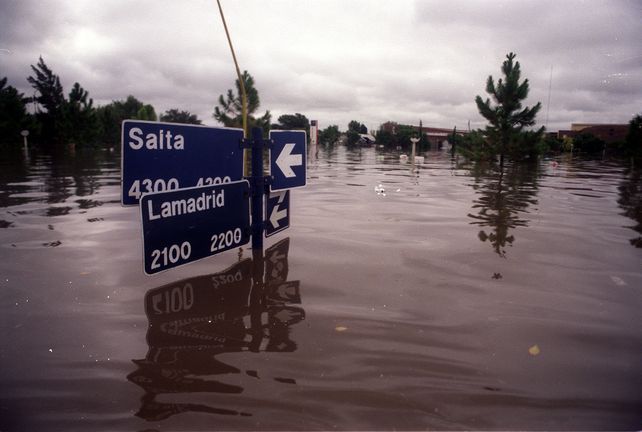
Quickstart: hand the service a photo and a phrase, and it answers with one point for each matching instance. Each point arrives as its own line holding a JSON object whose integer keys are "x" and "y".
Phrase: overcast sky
{"x": 336, "y": 61}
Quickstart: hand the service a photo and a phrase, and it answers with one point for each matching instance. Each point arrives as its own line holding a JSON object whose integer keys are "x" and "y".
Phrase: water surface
{"x": 448, "y": 296}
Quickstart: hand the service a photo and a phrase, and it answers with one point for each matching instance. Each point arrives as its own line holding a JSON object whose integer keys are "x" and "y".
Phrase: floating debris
{"x": 534, "y": 350}
{"x": 618, "y": 281}
{"x": 341, "y": 328}
{"x": 380, "y": 190}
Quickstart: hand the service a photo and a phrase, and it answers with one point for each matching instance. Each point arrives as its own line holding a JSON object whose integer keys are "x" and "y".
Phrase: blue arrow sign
{"x": 277, "y": 211}
{"x": 288, "y": 159}
{"x": 186, "y": 225}
{"x": 158, "y": 157}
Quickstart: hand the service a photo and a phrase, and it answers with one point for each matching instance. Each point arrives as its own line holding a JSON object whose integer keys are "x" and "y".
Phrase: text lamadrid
{"x": 168, "y": 209}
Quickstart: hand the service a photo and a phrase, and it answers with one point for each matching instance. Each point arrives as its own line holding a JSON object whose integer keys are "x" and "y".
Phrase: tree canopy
{"x": 175, "y": 116}
{"x": 230, "y": 109}
{"x": 329, "y": 135}
{"x": 292, "y": 122}
{"x": 13, "y": 113}
{"x": 357, "y": 127}
{"x": 112, "y": 115}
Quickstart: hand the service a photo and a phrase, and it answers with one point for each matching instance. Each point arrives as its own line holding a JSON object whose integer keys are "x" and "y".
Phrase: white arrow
{"x": 276, "y": 257}
{"x": 287, "y": 160}
{"x": 277, "y": 215}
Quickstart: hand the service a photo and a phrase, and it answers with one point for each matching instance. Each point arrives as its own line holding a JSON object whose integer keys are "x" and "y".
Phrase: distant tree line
{"x": 400, "y": 136}
{"x": 59, "y": 119}
{"x": 55, "y": 118}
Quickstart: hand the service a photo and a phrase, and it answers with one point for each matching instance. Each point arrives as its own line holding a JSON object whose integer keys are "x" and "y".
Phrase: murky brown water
{"x": 448, "y": 298}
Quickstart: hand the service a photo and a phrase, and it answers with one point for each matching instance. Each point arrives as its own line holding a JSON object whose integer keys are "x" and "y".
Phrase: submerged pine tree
{"x": 505, "y": 133}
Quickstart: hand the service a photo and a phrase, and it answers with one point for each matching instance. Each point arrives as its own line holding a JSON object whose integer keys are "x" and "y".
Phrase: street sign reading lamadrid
{"x": 158, "y": 157}
{"x": 288, "y": 159}
{"x": 186, "y": 225}
{"x": 277, "y": 212}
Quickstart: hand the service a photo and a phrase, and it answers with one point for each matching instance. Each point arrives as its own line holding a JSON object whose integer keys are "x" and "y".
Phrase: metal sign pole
{"x": 258, "y": 187}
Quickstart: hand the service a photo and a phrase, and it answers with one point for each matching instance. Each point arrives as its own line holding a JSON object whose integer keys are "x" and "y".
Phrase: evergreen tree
{"x": 51, "y": 98}
{"x": 79, "y": 116}
{"x": 63, "y": 120}
{"x": 230, "y": 111}
{"x": 505, "y": 114}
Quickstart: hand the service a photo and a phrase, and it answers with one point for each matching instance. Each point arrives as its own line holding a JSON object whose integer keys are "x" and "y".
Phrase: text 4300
{"x": 143, "y": 186}
{"x": 140, "y": 187}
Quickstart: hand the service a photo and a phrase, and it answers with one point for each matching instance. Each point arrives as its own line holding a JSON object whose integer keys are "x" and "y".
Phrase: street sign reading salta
{"x": 159, "y": 157}
{"x": 185, "y": 225}
{"x": 288, "y": 159}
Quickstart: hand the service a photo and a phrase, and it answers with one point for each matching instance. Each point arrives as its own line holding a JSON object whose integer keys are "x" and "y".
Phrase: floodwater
{"x": 446, "y": 297}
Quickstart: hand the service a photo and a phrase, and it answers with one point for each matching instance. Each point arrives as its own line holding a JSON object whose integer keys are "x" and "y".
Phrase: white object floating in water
{"x": 380, "y": 190}
{"x": 403, "y": 158}
{"x": 618, "y": 281}
{"x": 419, "y": 159}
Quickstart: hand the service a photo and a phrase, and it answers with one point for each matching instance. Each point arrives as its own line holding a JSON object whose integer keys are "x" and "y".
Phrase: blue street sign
{"x": 288, "y": 159}
{"x": 158, "y": 157}
{"x": 186, "y": 225}
{"x": 277, "y": 212}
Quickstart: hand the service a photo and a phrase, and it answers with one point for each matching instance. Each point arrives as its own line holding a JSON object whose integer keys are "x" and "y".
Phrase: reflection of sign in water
{"x": 276, "y": 262}
{"x": 186, "y": 225}
{"x": 194, "y": 320}
{"x": 157, "y": 157}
